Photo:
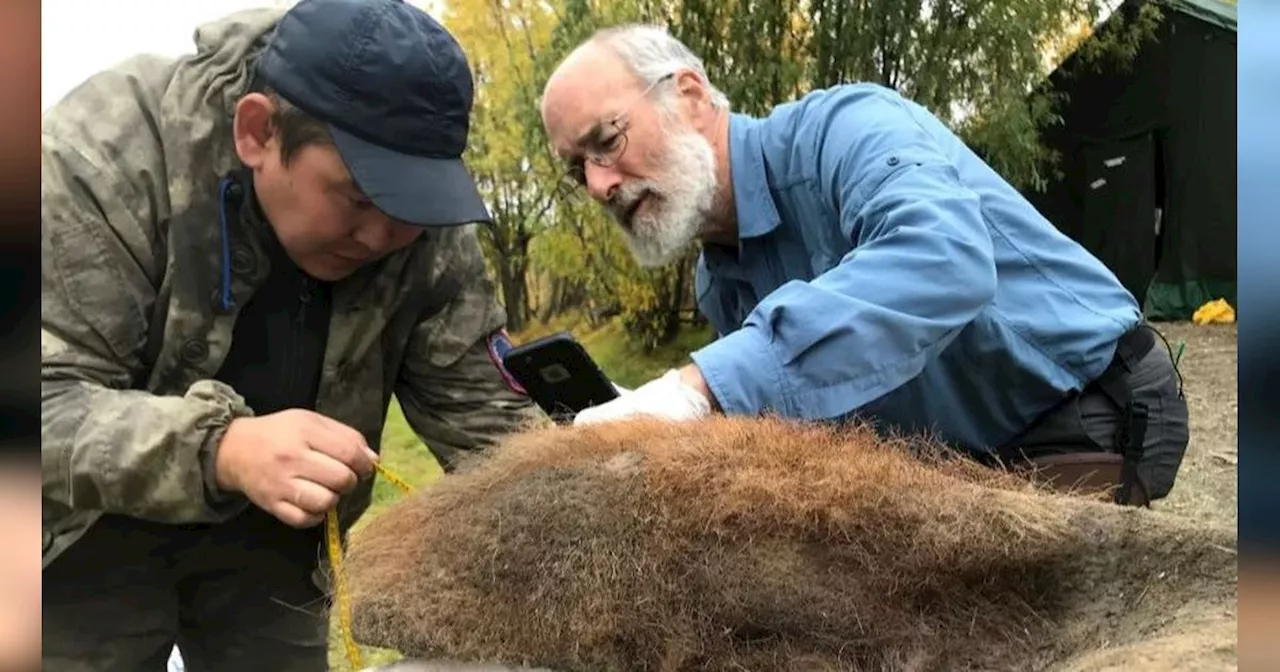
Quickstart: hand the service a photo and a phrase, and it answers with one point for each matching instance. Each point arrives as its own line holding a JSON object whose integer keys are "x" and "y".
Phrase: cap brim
{"x": 413, "y": 189}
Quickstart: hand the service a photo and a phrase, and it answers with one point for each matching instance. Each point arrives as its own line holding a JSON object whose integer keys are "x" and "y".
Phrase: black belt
{"x": 1114, "y": 383}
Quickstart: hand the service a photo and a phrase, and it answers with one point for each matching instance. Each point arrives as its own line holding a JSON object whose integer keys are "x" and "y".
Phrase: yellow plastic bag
{"x": 1217, "y": 311}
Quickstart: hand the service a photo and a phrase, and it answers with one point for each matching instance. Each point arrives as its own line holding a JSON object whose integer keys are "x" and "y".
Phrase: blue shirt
{"x": 885, "y": 271}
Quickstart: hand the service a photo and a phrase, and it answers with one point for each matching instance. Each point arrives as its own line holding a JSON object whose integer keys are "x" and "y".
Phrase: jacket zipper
{"x": 299, "y": 336}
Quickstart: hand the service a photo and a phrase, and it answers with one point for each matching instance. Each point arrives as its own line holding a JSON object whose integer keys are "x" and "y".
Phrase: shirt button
{"x": 194, "y": 351}
{"x": 893, "y": 160}
{"x": 242, "y": 261}
{"x": 215, "y": 298}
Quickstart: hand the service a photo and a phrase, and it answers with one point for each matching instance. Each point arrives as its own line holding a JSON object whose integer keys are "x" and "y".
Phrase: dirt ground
{"x": 1188, "y": 618}
{"x": 1206, "y": 487}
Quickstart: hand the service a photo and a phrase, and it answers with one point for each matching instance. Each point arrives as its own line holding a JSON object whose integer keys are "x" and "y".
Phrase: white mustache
{"x": 627, "y": 196}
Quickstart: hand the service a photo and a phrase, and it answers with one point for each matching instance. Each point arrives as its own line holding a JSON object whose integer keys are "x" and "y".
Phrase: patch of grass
{"x": 628, "y": 365}
{"x": 406, "y": 456}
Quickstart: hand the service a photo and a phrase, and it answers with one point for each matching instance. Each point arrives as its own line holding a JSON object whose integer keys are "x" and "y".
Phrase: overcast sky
{"x": 80, "y": 37}
{"x": 103, "y": 32}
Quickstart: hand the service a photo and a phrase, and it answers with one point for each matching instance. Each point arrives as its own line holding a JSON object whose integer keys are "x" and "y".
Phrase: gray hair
{"x": 650, "y": 52}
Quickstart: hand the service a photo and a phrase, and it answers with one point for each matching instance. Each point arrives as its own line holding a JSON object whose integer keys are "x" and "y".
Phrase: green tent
{"x": 1148, "y": 156}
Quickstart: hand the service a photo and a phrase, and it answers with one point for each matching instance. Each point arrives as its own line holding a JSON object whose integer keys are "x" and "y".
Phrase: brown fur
{"x": 759, "y": 544}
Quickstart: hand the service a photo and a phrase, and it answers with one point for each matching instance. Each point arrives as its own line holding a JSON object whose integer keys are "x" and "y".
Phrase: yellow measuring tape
{"x": 341, "y": 596}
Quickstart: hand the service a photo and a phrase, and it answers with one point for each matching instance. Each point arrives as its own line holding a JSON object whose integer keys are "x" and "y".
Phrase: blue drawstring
{"x": 227, "y": 303}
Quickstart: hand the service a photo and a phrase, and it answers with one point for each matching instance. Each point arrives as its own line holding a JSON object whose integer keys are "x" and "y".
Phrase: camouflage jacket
{"x": 132, "y": 331}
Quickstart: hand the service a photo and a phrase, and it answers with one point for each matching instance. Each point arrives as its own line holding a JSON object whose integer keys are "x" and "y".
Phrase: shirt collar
{"x": 757, "y": 215}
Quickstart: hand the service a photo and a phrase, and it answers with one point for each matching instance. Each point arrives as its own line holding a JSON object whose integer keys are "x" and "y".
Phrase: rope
{"x": 341, "y": 595}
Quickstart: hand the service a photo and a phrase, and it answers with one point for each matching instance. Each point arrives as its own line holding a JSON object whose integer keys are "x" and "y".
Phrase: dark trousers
{"x": 235, "y": 597}
{"x": 1091, "y": 422}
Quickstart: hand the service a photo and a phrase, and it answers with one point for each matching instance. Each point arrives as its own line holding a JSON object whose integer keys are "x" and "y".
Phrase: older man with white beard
{"x": 859, "y": 261}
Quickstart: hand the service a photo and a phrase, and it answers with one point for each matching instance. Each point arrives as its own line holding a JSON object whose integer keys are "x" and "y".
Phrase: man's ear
{"x": 695, "y": 96}
{"x": 254, "y": 136}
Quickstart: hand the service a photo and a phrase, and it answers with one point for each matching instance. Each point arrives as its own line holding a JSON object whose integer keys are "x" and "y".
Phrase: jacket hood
{"x": 226, "y": 50}
{"x": 199, "y": 102}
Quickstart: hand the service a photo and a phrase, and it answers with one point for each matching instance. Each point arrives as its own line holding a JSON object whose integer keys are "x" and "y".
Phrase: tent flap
{"x": 1169, "y": 301}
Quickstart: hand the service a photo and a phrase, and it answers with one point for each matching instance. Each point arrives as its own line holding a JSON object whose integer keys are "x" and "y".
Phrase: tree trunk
{"x": 671, "y": 304}
{"x": 513, "y": 271}
{"x": 562, "y": 295}
{"x": 511, "y": 277}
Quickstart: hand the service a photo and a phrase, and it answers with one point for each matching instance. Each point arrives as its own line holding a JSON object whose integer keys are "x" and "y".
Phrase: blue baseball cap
{"x": 395, "y": 89}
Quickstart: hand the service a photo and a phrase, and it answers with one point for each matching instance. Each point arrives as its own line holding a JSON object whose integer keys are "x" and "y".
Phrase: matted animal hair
{"x": 739, "y": 543}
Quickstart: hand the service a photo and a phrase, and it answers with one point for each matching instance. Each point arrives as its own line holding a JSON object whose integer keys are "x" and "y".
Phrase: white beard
{"x": 679, "y": 201}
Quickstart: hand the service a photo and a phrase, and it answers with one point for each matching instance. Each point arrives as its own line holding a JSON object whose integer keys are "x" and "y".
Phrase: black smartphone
{"x": 559, "y": 375}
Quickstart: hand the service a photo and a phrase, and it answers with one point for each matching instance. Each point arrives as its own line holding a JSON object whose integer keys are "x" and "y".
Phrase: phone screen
{"x": 559, "y": 375}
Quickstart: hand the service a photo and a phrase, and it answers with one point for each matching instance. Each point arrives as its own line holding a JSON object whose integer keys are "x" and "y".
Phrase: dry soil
{"x": 1206, "y": 486}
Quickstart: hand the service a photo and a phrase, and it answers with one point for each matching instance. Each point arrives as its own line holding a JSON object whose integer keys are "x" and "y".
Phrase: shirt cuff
{"x": 742, "y": 373}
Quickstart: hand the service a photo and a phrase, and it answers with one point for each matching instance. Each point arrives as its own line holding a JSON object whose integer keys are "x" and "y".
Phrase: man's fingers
{"x": 303, "y": 503}
{"x": 311, "y": 497}
{"x": 293, "y": 516}
{"x": 326, "y": 471}
{"x": 342, "y": 446}
{"x": 345, "y": 431}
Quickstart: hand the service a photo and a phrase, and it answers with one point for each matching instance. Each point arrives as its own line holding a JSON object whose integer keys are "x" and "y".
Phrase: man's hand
{"x": 677, "y": 395}
{"x": 292, "y": 464}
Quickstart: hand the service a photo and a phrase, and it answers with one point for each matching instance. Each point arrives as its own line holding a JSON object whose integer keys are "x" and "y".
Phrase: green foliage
{"x": 629, "y": 364}
{"x": 507, "y": 152}
{"x": 650, "y": 304}
{"x": 1118, "y": 45}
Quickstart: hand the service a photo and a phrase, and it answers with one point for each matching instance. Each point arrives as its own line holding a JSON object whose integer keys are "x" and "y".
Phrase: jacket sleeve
{"x": 921, "y": 269}
{"x": 106, "y": 445}
{"x": 452, "y": 390}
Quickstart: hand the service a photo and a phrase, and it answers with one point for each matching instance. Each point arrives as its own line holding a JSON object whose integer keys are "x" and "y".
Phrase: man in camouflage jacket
{"x": 246, "y": 252}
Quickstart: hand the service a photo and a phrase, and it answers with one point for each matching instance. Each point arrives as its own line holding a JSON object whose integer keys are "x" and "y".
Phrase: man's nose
{"x": 602, "y": 181}
{"x": 379, "y": 232}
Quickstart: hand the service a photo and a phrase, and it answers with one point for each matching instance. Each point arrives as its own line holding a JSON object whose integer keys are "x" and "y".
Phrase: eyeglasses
{"x": 605, "y": 151}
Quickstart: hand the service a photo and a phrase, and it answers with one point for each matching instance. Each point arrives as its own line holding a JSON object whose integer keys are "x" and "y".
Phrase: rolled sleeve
{"x": 743, "y": 373}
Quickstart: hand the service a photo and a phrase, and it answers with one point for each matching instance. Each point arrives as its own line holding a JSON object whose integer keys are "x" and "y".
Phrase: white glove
{"x": 667, "y": 397}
